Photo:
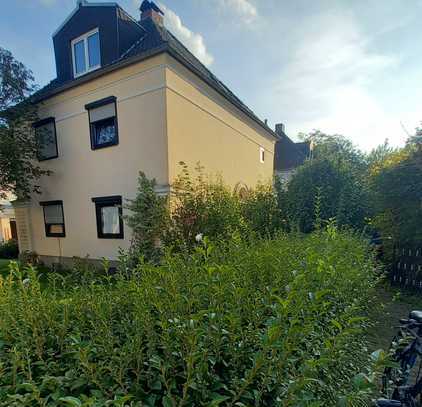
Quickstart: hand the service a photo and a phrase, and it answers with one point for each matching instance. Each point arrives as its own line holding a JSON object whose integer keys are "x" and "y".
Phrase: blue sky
{"x": 348, "y": 66}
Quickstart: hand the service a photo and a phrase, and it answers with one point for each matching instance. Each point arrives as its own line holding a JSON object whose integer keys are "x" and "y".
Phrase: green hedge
{"x": 9, "y": 250}
{"x": 272, "y": 323}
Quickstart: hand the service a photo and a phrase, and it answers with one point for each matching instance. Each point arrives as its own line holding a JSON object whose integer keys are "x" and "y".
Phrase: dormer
{"x": 94, "y": 35}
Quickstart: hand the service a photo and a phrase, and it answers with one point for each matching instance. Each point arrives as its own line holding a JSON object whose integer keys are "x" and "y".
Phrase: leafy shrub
{"x": 148, "y": 219}
{"x": 261, "y": 211}
{"x": 396, "y": 185}
{"x": 272, "y": 323}
{"x": 9, "y": 250}
{"x": 200, "y": 205}
{"x": 340, "y": 193}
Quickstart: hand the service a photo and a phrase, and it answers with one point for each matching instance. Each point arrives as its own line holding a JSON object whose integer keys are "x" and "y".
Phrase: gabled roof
{"x": 83, "y": 3}
{"x": 288, "y": 154}
{"x": 157, "y": 39}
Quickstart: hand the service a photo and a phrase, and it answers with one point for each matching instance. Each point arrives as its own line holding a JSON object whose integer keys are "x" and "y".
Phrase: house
{"x": 128, "y": 97}
{"x": 8, "y": 229}
{"x": 289, "y": 155}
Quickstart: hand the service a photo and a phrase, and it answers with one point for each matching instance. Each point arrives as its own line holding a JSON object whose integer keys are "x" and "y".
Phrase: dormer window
{"x": 86, "y": 54}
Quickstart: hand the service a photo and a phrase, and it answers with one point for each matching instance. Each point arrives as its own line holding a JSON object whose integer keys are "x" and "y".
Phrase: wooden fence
{"x": 407, "y": 268}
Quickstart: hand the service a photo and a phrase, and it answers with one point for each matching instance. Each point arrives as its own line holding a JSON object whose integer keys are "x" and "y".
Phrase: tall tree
{"x": 19, "y": 169}
{"x": 331, "y": 185}
{"x": 396, "y": 185}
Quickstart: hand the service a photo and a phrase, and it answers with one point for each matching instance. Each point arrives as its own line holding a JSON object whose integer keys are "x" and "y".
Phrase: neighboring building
{"x": 128, "y": 97}
{"x": 8, "y": 229}
{"x": 289, "y": 155}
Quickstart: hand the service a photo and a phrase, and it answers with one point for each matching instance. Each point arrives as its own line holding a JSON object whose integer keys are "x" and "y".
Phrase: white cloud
{"x": 244, "y": 9}
{"x": 193, "y": 41}
{"x": 326, "y": 84}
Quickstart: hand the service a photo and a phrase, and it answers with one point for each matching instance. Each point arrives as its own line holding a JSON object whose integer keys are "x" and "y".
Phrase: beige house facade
{"x": 164, "y": 110}
{"x": 7, "y": 222}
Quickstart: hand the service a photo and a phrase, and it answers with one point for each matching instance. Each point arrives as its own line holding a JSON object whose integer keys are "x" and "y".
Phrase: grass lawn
{"x": 395, "y": 304}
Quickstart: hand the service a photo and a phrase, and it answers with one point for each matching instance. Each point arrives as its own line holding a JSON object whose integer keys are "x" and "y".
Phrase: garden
{"x": 272, "y": 298}
{"x": 277, "y": 322}
{"x": 269, "y": 298}
{"x": 218, "y": 303}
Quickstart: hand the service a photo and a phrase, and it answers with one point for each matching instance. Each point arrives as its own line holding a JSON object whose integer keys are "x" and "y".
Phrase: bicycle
{"x": 407, "y": 346}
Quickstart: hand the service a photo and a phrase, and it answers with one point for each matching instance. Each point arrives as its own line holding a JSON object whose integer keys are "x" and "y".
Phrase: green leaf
{"x": 336, "y": 324}
{"x": 342, "y": 401}
{"x": 167, "y": 401}
{"x": 361, "y": 381}
{"x": 71, "y": 401}
{"x": 28, "y": 387}
{"x": 217, "y": 400}
{"x": 156, "y": 385}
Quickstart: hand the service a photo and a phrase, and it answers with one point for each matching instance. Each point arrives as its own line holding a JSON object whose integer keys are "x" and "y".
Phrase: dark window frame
{"x": 92, "y": 128}
{"x": 108, "y": 201}
{"x": 46, "y": 225}
{"x": 41, "y": 123}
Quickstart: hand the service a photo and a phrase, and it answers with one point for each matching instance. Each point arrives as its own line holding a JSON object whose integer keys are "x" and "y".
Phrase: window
{"x": 86, "y": 54}
{"x": 103, "y": 123}
{"x": 45, "y": 134}
{"x": 54, "y": 218}
{"x": 261, "y": 154}
{"x": 109, "y": 215}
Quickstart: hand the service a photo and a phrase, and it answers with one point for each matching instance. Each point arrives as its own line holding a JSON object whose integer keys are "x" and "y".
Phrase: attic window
{"x": 86, "y": 54}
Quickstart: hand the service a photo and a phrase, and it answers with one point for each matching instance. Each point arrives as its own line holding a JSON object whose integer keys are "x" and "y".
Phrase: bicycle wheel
{"x": 402, "y": 371}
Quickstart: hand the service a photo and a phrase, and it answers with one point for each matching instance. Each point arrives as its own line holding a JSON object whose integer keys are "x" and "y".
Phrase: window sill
{"x": 110, "y": 237}
{"x": 47, "y": 159}
{"x": 105, "y": 145}
{"x": 77, "y": 76}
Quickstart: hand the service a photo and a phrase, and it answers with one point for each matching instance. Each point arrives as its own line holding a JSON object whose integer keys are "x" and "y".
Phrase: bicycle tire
{"x": 400, "y": 375}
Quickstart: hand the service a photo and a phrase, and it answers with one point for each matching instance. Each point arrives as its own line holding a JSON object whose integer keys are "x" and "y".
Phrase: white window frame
{"x": 84, "y": 37}
{"x": 261, "y": 155}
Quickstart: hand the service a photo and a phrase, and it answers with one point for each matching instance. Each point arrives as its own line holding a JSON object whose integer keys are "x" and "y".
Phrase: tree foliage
{"x": 396, "y": 186}
{"x": 331, "y": 185}
{"x": 147, "y": 219}
{"x": 19, "y": 170}
{"x": 16, "y": 81}
{"x": 381, "y": 189}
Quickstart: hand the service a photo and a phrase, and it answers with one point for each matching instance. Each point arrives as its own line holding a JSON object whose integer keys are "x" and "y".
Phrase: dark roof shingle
{"x": 288, "y": 154}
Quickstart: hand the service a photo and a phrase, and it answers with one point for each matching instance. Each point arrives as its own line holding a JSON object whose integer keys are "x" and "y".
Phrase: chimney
{"x": 150, "y": 10}
{"x": 280, "y": 129}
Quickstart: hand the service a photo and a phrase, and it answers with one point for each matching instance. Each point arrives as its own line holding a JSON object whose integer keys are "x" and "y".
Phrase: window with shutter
{"x": 53, "y": 218}
{"x": 103, "y": 123}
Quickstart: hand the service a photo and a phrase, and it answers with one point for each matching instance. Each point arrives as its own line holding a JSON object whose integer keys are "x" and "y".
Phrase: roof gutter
{"x": 98, "y": 73}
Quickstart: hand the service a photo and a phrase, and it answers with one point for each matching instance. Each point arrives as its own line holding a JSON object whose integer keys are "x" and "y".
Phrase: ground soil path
{"x": 395, "y": 304}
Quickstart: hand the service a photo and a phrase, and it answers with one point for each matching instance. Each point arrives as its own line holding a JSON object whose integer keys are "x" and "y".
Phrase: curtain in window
{"x": 110, "y": 219}
{"x": 105, "y": 132}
